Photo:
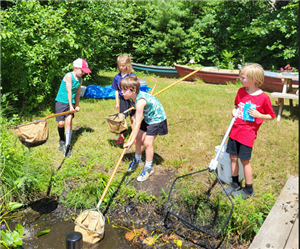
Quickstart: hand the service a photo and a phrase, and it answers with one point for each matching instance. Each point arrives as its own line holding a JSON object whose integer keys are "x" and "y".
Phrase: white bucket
{"x": 82, "y": 90}
{"x": 224, "y": 168}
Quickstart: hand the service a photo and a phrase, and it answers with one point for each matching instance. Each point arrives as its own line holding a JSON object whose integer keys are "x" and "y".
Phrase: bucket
{"x": 224, "y": 167}
{"x": 82, "y": 90}
{"x": 143, "y": 85}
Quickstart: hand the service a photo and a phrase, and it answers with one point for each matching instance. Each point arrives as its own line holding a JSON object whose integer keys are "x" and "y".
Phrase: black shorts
{"x": 62, "y": 107}
{"x": 155, "y": 129}
{"x": 125, "y": 105}
{"x": 236, "y": 148}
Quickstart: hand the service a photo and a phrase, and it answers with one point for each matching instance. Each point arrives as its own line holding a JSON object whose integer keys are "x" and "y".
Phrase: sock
{"x": 61, "y": 133}
{"x": 138, "y": 157}
{"x": 235, "y": 181}
{"x": 68, "y": 137}
{"x": 148, "y": 165}
{"x": 248, "y": 188}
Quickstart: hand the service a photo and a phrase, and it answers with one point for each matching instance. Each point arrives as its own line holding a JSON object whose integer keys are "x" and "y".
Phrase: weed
{"x": 143, "y": 197}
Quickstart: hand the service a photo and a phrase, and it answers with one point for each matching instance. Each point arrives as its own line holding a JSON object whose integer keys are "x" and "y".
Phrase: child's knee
{"x": 61, "y": 124}
{"x": 245, "y": 162}
{"x": 234, "y": 157}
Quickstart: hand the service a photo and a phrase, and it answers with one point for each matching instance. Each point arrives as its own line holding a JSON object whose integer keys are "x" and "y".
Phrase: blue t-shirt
{"x": 153, "y": 112}
{"x": 116, "y": 81}
{"x": 62, "y": 95}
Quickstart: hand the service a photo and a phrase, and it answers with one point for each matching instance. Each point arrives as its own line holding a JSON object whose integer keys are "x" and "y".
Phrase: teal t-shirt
{"x": 153, "y": 112}
{"x": 62, "y": 95}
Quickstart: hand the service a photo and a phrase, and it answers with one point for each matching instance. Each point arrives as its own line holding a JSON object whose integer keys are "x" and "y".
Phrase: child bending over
{"x": 149, "y": 121}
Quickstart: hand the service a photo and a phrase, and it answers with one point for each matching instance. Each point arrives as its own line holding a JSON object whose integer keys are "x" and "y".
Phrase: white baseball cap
{"x": 81, "y": 63}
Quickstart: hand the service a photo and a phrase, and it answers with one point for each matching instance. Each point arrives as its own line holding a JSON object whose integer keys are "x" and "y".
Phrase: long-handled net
{"x": 37, "y": 132}
{"x": 93, "y": 228}
{"x": 117, "y": 122}
{"x": 199, "y": 201}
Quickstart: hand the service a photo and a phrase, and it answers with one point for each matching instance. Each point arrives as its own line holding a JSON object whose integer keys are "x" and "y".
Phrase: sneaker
{"x": 133, "y": 165}
{"x": 68, "y": 150}
{"x": 145, "y": 175}
{"x": 242, "y": 193}
{"x": 120, "y": 140}
{"x": 61, "y": 145}
{"x": 230, "y": 189}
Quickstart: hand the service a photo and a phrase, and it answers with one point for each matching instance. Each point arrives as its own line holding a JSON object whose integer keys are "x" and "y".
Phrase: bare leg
{"x": 148, "y": 142}
{"x": 69, "y": 122}
{"x": 139, "y": 142}
{"x": 61, "y": 124}
{"x": 234, "y": 165}
{"x": 247, "y": 171}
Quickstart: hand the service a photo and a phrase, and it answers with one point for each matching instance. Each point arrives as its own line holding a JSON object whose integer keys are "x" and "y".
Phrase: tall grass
{"x": 198, "y": 115}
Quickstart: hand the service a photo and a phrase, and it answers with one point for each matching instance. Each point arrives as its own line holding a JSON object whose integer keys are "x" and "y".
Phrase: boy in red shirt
{"x": 252, "y": 107}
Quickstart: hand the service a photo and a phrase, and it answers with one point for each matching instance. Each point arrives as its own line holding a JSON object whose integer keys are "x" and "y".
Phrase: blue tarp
{"x": 99, "y": 92}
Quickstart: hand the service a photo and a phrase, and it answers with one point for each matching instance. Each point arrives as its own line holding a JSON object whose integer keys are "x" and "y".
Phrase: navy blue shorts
{"x": 236, "y": 148}
{"x": 155, "y": 129}
{"x": 125, "y": 105}
{"x": 62, "y": 107}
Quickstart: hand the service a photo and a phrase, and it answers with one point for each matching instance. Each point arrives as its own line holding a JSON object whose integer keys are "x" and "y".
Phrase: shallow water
{"x": 34, "y": 222}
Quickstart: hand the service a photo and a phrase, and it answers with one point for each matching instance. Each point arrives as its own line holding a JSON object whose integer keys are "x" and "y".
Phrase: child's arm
{"x": 140, "y": 105}
{"x": 117, "y": 99}
{"x": 257, "y": 114}
{"x": 68, "y": 80}
{"x": 77, "y": 97}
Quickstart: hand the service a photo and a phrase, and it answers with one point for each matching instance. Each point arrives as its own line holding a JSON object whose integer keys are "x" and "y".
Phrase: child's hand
{"x": 77, "y": 109}
{"x": 254, "y": 113}
{"x": 117, "y": 107}
{"x": 234, "y": 112}
{"x": 128, "y": 145}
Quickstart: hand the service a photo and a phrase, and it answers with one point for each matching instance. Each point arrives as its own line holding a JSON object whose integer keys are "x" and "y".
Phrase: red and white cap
{"x": 82, "y": 64}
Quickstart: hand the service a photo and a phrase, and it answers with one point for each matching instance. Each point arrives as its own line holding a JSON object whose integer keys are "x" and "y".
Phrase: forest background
{"x": 40, "y": 39}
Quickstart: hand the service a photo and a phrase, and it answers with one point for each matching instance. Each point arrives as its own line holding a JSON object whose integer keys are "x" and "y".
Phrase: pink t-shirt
{"x": 243, "y": 131}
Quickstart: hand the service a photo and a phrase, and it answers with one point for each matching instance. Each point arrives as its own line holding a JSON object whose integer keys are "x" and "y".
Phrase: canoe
{"x": 223, "y": 76}
{"x": 169, "y": 72}
{"x": 209, "y": 74}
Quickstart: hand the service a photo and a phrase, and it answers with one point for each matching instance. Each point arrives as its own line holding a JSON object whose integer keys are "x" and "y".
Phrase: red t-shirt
{"x": 243, "y": 131}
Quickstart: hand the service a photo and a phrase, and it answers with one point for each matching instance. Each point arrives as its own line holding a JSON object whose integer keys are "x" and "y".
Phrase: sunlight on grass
{"x": 198, "y": 115}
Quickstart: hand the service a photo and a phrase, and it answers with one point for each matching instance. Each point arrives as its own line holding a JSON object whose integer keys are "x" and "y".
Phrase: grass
{"x": 198, "y": 115}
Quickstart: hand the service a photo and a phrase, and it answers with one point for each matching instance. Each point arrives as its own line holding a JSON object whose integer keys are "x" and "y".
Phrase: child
{"x": 125, "y": 68}
{"x": 145, "y": 130}
{"x": 244, "y": 132}
{"x": 67, "y": 99}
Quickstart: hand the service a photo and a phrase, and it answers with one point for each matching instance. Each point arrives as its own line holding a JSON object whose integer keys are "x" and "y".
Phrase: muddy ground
{"x": 148, "y": 220}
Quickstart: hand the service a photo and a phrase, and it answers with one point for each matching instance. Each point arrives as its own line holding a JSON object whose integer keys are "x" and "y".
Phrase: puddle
{"x": 34, "y": 222}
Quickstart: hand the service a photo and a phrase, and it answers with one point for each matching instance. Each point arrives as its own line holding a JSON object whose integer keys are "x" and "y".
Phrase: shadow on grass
{"x": 115, "y": 193}
{"x": 78, "y": 131}
{"x": 293, "y": 112}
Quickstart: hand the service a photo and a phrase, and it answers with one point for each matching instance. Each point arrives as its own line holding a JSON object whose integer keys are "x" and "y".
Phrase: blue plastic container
{"x": 143, "y": 85}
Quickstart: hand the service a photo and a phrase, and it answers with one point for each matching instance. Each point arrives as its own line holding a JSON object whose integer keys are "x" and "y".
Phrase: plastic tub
{"x": 224, "y": 167}
{"x": 143, "y": 85}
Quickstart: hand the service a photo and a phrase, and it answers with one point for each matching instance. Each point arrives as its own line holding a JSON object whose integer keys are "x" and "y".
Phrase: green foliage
{"x": 12, "y": 238}
{"x": 144, "y": 197}
{"x": 40, "y": 40}
{"x": 247, "y": 218}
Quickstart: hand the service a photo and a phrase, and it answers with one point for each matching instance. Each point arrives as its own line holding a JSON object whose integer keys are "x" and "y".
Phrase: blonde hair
{"x": 125, "y": 59}
{"x": 130, "y": 83}
{"x": 254, "y": 73}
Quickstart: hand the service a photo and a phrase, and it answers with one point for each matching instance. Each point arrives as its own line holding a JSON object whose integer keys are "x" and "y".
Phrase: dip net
{"x": 196, "y": 202}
